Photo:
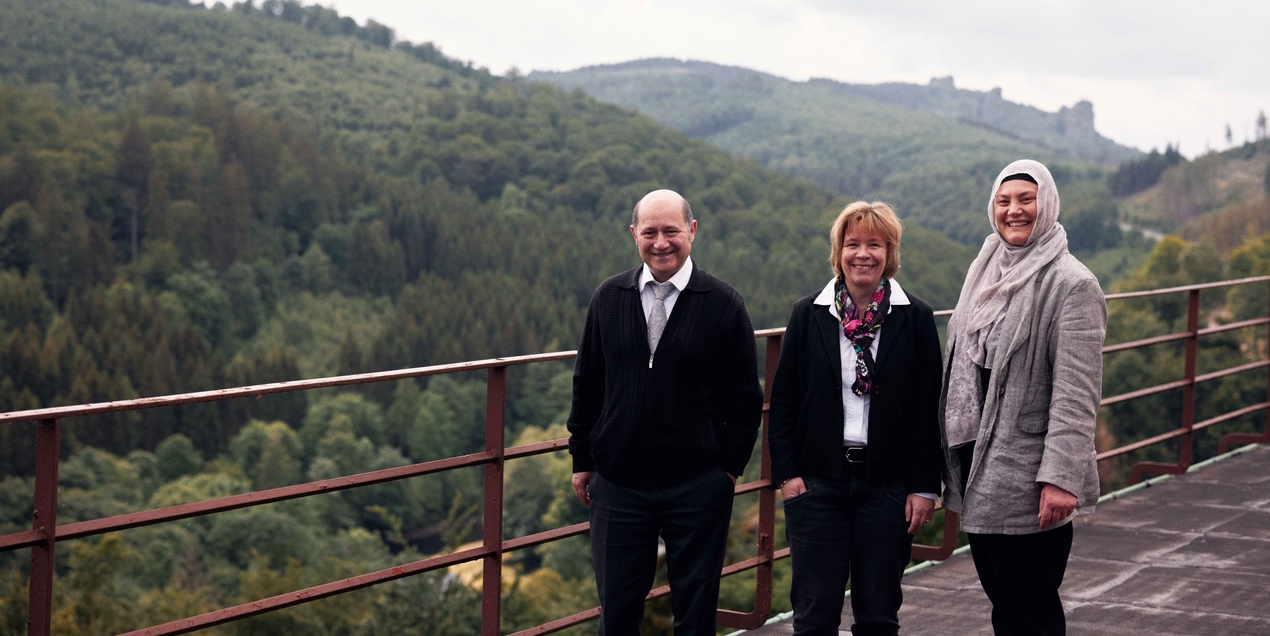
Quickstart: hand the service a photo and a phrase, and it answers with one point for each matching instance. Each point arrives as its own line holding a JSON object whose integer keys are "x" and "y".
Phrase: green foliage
{"x": 450, "y": 420}
{"x": 22, "y": 302}
{"x": 269, "y": 453}
{"x": 13, "y": 599}
{"x": 427, "y": 605}
{"x": 94, "y": 585}
{"x": 1252, "y": 259}
{"x": 1093, "y": 231}
{"x": 1140, "y": 174}
{"x": 177, "y": 457}
{"x": 17, "y": 237}
{"x": 346, "y": 414}
{"x": 204, "y": 301}
{"x": 237, "y": 536}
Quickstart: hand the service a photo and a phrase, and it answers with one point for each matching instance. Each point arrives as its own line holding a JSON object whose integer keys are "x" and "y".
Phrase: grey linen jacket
{"x": 1041, "y": 406}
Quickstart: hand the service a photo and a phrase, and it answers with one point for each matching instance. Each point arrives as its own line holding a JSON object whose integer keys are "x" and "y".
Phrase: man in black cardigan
{"x": 666, "y": 409}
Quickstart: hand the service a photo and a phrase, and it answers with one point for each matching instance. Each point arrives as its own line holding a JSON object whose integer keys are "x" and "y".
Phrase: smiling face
{"x": 1015, "y": 211}
{"x": 662, "y": 235}
{"x": 863, "y": 262}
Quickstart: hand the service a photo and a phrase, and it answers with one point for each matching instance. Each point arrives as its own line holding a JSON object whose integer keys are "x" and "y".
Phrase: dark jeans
{"x": 1021, "y": 574}
{"x": 842, "y": 528}
{"x": 692, "y": 519}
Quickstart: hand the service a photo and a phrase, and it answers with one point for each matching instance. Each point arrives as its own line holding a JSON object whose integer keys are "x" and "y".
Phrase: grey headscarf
{"x": 1000, "y": 275}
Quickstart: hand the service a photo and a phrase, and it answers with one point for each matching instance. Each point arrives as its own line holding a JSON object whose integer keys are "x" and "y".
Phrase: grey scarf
{"x": 1002, "y": 274}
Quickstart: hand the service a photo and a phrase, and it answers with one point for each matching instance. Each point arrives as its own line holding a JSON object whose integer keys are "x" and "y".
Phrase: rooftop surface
{"x": 1188, "y": 555}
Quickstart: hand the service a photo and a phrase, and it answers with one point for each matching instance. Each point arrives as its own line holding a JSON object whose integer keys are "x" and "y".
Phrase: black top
{"x": 697, "y": 407}
{"x": 806, "y": 411}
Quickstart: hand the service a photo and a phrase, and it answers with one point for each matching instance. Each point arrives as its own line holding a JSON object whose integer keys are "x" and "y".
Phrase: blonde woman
{"x": 854, "y": 430}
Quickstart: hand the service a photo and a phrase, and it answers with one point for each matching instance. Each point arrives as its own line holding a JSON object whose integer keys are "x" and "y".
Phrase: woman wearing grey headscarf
{"x": 1020, "y": 402}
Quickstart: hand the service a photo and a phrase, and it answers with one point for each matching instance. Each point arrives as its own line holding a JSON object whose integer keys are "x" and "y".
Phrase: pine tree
{"x": 134, "y": 165}
{"x": 228, "y": 217}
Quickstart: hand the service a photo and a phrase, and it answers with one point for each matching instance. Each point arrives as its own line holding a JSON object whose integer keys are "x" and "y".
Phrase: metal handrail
{"x": 258, "y": 390}
{"x": 45, "y": 533}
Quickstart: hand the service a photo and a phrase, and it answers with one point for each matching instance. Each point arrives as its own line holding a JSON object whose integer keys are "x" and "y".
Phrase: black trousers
{"x": 691, "y": 518}
{"x": 842, "y": 529}
{"x": 1021, "y": 574}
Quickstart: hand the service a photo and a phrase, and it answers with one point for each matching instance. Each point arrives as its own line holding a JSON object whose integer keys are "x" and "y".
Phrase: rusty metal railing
{"x": 45, "y": 532}
{"x": 1189, "y": 381}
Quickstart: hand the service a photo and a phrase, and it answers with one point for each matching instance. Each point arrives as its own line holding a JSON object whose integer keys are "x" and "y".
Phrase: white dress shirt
{"x": 679, "y": 281}
{"x": 855, "y": 408}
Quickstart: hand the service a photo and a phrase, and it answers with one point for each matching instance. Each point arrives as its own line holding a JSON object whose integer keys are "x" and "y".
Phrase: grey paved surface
{"x": 1190, "y": 555}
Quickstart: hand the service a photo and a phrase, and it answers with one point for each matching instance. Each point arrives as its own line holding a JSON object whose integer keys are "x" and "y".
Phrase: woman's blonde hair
{"x": 876, "y": 217}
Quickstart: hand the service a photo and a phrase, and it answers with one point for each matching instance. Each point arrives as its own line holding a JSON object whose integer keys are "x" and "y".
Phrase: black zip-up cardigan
{"x": 651, "y": 422}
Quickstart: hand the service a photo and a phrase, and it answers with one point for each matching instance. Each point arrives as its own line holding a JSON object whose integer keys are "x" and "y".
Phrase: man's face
{"x": 663, "y": 238}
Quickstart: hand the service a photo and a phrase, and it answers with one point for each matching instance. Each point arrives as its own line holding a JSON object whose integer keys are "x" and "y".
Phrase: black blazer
{"x": 806, "y": 408}
{"x": 697, "y": 405}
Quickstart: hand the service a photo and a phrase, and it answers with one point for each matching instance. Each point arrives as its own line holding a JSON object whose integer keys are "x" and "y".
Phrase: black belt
{"x": 853, "y": 454}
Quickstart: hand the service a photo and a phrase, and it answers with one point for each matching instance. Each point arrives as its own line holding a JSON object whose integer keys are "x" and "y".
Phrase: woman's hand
{"x": 917, "y": 511}
{"x": 1056, "y": 504}
{"x": 793, "y": 487}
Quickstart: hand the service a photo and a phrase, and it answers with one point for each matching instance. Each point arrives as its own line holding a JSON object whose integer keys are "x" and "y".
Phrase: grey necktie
{"x": 657, "y": 317}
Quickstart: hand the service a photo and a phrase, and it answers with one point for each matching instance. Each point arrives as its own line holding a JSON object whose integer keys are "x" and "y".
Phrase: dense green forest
{"x": 199, "y": 198}
{"x": 194, "y": 198}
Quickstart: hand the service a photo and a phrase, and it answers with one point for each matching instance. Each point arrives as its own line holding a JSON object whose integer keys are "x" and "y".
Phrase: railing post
{"x": 946, "y": 545}
{"x": 492, "y": 575}
{"x": 767, "y": 496}
{"x": 1186, "y": 450}
{"x": 1188, "y": 391}
{"x": 39, "y": 621}
{"x": 766, "y": 512}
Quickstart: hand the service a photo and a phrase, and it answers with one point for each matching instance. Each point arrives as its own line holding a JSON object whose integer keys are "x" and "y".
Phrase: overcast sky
{"x": 1157, "y": 72}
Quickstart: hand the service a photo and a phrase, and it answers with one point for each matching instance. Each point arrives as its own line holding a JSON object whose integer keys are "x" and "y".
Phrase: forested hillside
{"x": 196, "y": 198}
{"x": 930, "y": 151}
{"x": 1219, "y": 195}
{"x": 309, "y": 203}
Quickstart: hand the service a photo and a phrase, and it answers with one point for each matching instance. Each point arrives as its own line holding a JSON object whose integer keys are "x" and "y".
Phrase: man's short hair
{"x": 876, "y": 217}
{"x": 687, "y": 214}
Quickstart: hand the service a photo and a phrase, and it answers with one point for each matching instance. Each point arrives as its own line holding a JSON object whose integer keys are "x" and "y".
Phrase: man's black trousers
{"x": 691, "y": 518}
{"x": 848, "y": 528}
{"x": 1021, "y": 574}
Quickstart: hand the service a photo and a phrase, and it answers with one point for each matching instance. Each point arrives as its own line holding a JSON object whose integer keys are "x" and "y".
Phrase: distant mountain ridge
{"x": 932, "y": 151}
{"x": 1069, "y": 130}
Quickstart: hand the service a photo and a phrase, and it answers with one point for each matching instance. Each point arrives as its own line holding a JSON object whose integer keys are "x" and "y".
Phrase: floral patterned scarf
{"x": 861, "y": 330}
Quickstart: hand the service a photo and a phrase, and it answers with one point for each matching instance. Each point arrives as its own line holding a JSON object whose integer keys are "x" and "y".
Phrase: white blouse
{"x": 855, "y": 408}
